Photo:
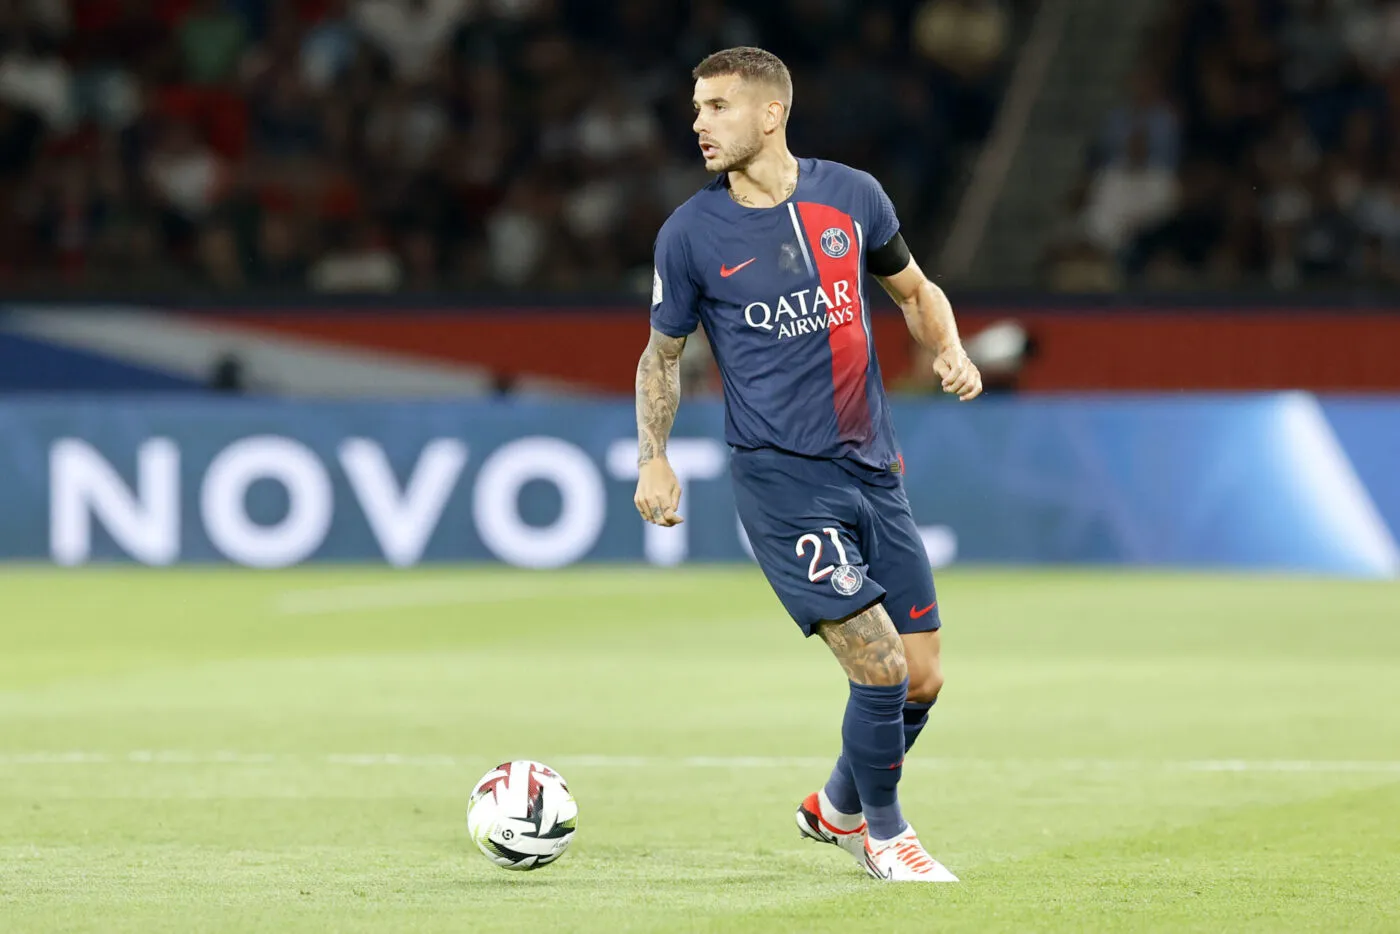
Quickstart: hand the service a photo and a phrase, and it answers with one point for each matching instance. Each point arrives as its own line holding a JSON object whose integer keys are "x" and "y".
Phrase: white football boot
{"x": 819, "y": 821}
{"x": 904, "y": 859}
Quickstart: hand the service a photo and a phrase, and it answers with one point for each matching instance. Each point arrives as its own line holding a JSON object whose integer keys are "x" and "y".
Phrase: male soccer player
{"x": 771, "y": 258}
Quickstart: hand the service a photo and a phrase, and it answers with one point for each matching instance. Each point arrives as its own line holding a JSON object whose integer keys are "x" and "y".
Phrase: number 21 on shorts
{"x": 815, "y": 573}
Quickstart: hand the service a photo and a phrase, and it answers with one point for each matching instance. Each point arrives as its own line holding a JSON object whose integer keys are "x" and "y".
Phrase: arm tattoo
{"x": 658, "y": 394}
{"x": 867, "y": 646}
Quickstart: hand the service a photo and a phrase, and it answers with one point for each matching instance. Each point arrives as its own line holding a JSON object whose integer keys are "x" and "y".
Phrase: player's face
{"x": 728, "y": 121}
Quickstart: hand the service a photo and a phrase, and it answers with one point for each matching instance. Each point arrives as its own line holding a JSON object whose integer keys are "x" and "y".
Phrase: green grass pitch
{"x": 222, "y": 750}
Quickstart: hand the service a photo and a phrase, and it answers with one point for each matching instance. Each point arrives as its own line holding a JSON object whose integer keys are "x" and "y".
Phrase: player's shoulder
{"x": 694, "y": 214}
{"x": 840, "y": 174}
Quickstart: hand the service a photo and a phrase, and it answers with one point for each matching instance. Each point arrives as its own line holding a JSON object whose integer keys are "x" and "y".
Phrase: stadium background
{"x": 354, "y": 290}
{"x": 404, "y": 202}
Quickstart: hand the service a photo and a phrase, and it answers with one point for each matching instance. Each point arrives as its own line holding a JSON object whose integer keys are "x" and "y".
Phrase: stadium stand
{"x": 381, "y": 145}
{"x": 1256, "y": 147}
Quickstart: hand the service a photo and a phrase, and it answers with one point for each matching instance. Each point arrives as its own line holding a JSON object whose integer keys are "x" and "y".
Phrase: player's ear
{"x": 774, "y": 118}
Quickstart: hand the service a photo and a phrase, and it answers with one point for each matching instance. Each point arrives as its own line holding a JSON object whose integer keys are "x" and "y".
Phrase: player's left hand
{"x": 959, "y": 374}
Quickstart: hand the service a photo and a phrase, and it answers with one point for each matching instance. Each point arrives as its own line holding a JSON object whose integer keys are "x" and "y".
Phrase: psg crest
{"x": 835, "y": 243}
{"x": 847, "y": 579}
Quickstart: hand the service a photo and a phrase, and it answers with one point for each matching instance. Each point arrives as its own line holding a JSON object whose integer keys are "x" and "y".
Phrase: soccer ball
{"x": 522, "y": 815}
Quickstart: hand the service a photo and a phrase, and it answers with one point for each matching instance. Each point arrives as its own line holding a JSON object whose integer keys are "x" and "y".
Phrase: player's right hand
{"x": 658, "y": 493}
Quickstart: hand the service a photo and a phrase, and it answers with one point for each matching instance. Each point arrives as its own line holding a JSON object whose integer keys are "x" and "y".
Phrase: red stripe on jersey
{"x": 840, "y": 276}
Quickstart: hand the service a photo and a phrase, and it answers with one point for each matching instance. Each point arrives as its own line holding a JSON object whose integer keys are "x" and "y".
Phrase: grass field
{"x": 228, "y": 751}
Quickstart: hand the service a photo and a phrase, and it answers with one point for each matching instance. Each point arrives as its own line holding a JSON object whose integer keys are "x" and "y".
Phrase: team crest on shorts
{"x": 835, "y": 243}
{"x": 847, "y": 579}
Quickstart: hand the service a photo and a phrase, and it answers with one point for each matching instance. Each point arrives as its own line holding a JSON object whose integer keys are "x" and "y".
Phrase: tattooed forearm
{"x": 868, "y": 647}
{"x": 658, "y": 394}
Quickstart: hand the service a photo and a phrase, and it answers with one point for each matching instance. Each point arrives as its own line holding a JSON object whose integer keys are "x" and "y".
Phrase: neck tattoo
{"x": 787, "y": 192}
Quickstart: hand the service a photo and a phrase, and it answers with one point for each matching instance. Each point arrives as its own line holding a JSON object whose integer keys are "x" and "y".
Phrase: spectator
{"x": 412, "y": 33}
{"x": 1378, "y": 208}
{"x": 405, "y": 128}
{"x": 34, "y": 77}
{"x": 1316, "y": 54}
{"x": 613, "y": 128}
{"x": 1147, "y": 112}
{"x": 518, "y": 232}
{"x": 1329, "y": 241}
{"x": 329, "y": 48}
{"x": 1194, "y": 234}
{"x": 1373, "y": 35}
{"x": 185, "y": 175}
{"x": 1127, "y": 197}
{"x": 360, "y": 262}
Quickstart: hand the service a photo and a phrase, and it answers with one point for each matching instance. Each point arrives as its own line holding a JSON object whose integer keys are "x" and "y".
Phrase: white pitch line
{"x": 442, "y": 760}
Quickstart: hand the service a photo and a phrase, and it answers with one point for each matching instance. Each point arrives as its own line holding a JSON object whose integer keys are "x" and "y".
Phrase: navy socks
{"x": 841, "y": 788}
{"x": 915, "y": 718}
{"x": 872, "y": 737}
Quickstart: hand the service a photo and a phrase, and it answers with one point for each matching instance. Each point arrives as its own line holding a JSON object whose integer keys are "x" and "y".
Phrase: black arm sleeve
{"x": 888, "y": 259}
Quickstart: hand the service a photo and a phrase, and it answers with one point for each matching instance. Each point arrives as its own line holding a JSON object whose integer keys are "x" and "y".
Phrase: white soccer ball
{"x": 522, "y": 815}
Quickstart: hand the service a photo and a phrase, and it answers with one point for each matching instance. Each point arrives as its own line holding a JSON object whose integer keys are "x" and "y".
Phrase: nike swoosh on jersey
{"x": 726, "y": 271}
{"x": 915, "y": 614}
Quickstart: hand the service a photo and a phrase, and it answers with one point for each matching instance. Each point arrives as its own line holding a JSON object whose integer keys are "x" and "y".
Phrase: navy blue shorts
{"x": 831, "y": 542}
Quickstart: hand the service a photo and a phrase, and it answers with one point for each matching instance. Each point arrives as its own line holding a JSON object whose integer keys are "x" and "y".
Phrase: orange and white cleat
{"x": 819, "y": 821}
{"x": 904, "y": 859}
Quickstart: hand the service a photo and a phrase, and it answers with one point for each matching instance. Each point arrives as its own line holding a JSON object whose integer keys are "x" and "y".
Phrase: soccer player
{"x": 771, "y": 258}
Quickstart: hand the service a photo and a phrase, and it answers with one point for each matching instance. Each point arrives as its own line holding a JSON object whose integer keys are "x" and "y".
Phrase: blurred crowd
{"x": 1259, "y": 144}
{"x": 376, "y": 145}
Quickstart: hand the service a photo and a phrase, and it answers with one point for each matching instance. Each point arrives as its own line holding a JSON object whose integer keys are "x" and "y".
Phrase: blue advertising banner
{"x": 1270, "y": 482}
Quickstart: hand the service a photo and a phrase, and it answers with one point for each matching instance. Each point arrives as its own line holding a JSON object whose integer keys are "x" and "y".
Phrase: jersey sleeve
{"x": 675, "y": 300}
{"x": 881, "y": 222}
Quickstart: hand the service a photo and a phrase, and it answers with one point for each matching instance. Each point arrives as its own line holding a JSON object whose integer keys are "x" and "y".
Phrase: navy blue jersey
{"x": 781, "y": 294}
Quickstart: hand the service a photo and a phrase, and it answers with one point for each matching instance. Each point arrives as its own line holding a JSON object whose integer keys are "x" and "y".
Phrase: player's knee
{"x": 925, "y": 685}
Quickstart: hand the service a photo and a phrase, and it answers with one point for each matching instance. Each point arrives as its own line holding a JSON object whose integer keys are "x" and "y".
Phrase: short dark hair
{"x": 752, "y": 65}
